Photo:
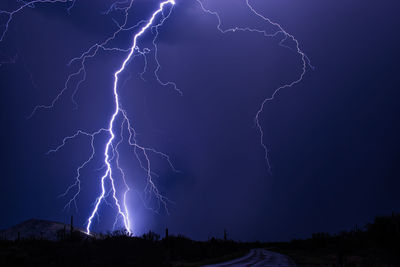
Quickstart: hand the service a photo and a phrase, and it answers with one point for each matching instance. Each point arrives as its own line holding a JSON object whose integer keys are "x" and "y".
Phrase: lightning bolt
{"x": 111, "y": 166}
{"x": 124, "y": 213}
{"x": 280, "y": 31}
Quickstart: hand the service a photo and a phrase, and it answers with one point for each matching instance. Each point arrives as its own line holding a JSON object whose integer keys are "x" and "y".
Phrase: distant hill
{"x": 38, "y": 229}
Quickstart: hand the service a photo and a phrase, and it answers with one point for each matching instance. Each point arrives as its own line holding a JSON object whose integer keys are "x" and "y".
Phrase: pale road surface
{"x": 259, "y": 258}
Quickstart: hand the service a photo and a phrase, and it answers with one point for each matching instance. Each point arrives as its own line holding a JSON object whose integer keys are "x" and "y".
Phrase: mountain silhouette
{"x": 37, "y": 229}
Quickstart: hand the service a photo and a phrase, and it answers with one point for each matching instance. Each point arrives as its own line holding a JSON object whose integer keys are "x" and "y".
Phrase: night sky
{"x": 333, "y": 139}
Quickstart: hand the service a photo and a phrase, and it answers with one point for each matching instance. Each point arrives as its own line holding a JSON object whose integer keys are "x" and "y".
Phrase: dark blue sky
{"x": 333, "y": 139}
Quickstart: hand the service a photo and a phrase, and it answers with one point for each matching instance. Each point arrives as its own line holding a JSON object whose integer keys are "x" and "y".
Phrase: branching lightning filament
{"x": 280, "y": 31}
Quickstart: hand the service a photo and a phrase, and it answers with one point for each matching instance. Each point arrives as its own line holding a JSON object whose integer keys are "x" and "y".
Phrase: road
{"x": 259, "y": 258}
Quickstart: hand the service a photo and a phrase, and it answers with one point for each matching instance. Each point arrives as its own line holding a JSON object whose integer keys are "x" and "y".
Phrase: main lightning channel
{"x": 108, "y": 173}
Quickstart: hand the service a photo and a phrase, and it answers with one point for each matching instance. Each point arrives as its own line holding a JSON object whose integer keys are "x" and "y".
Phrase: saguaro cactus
{"x": 72, "y": 224}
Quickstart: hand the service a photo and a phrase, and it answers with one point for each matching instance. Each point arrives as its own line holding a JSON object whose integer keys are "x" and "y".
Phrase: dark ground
{"x": 376, "y": 244}
{"x": 118, "y": 249}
